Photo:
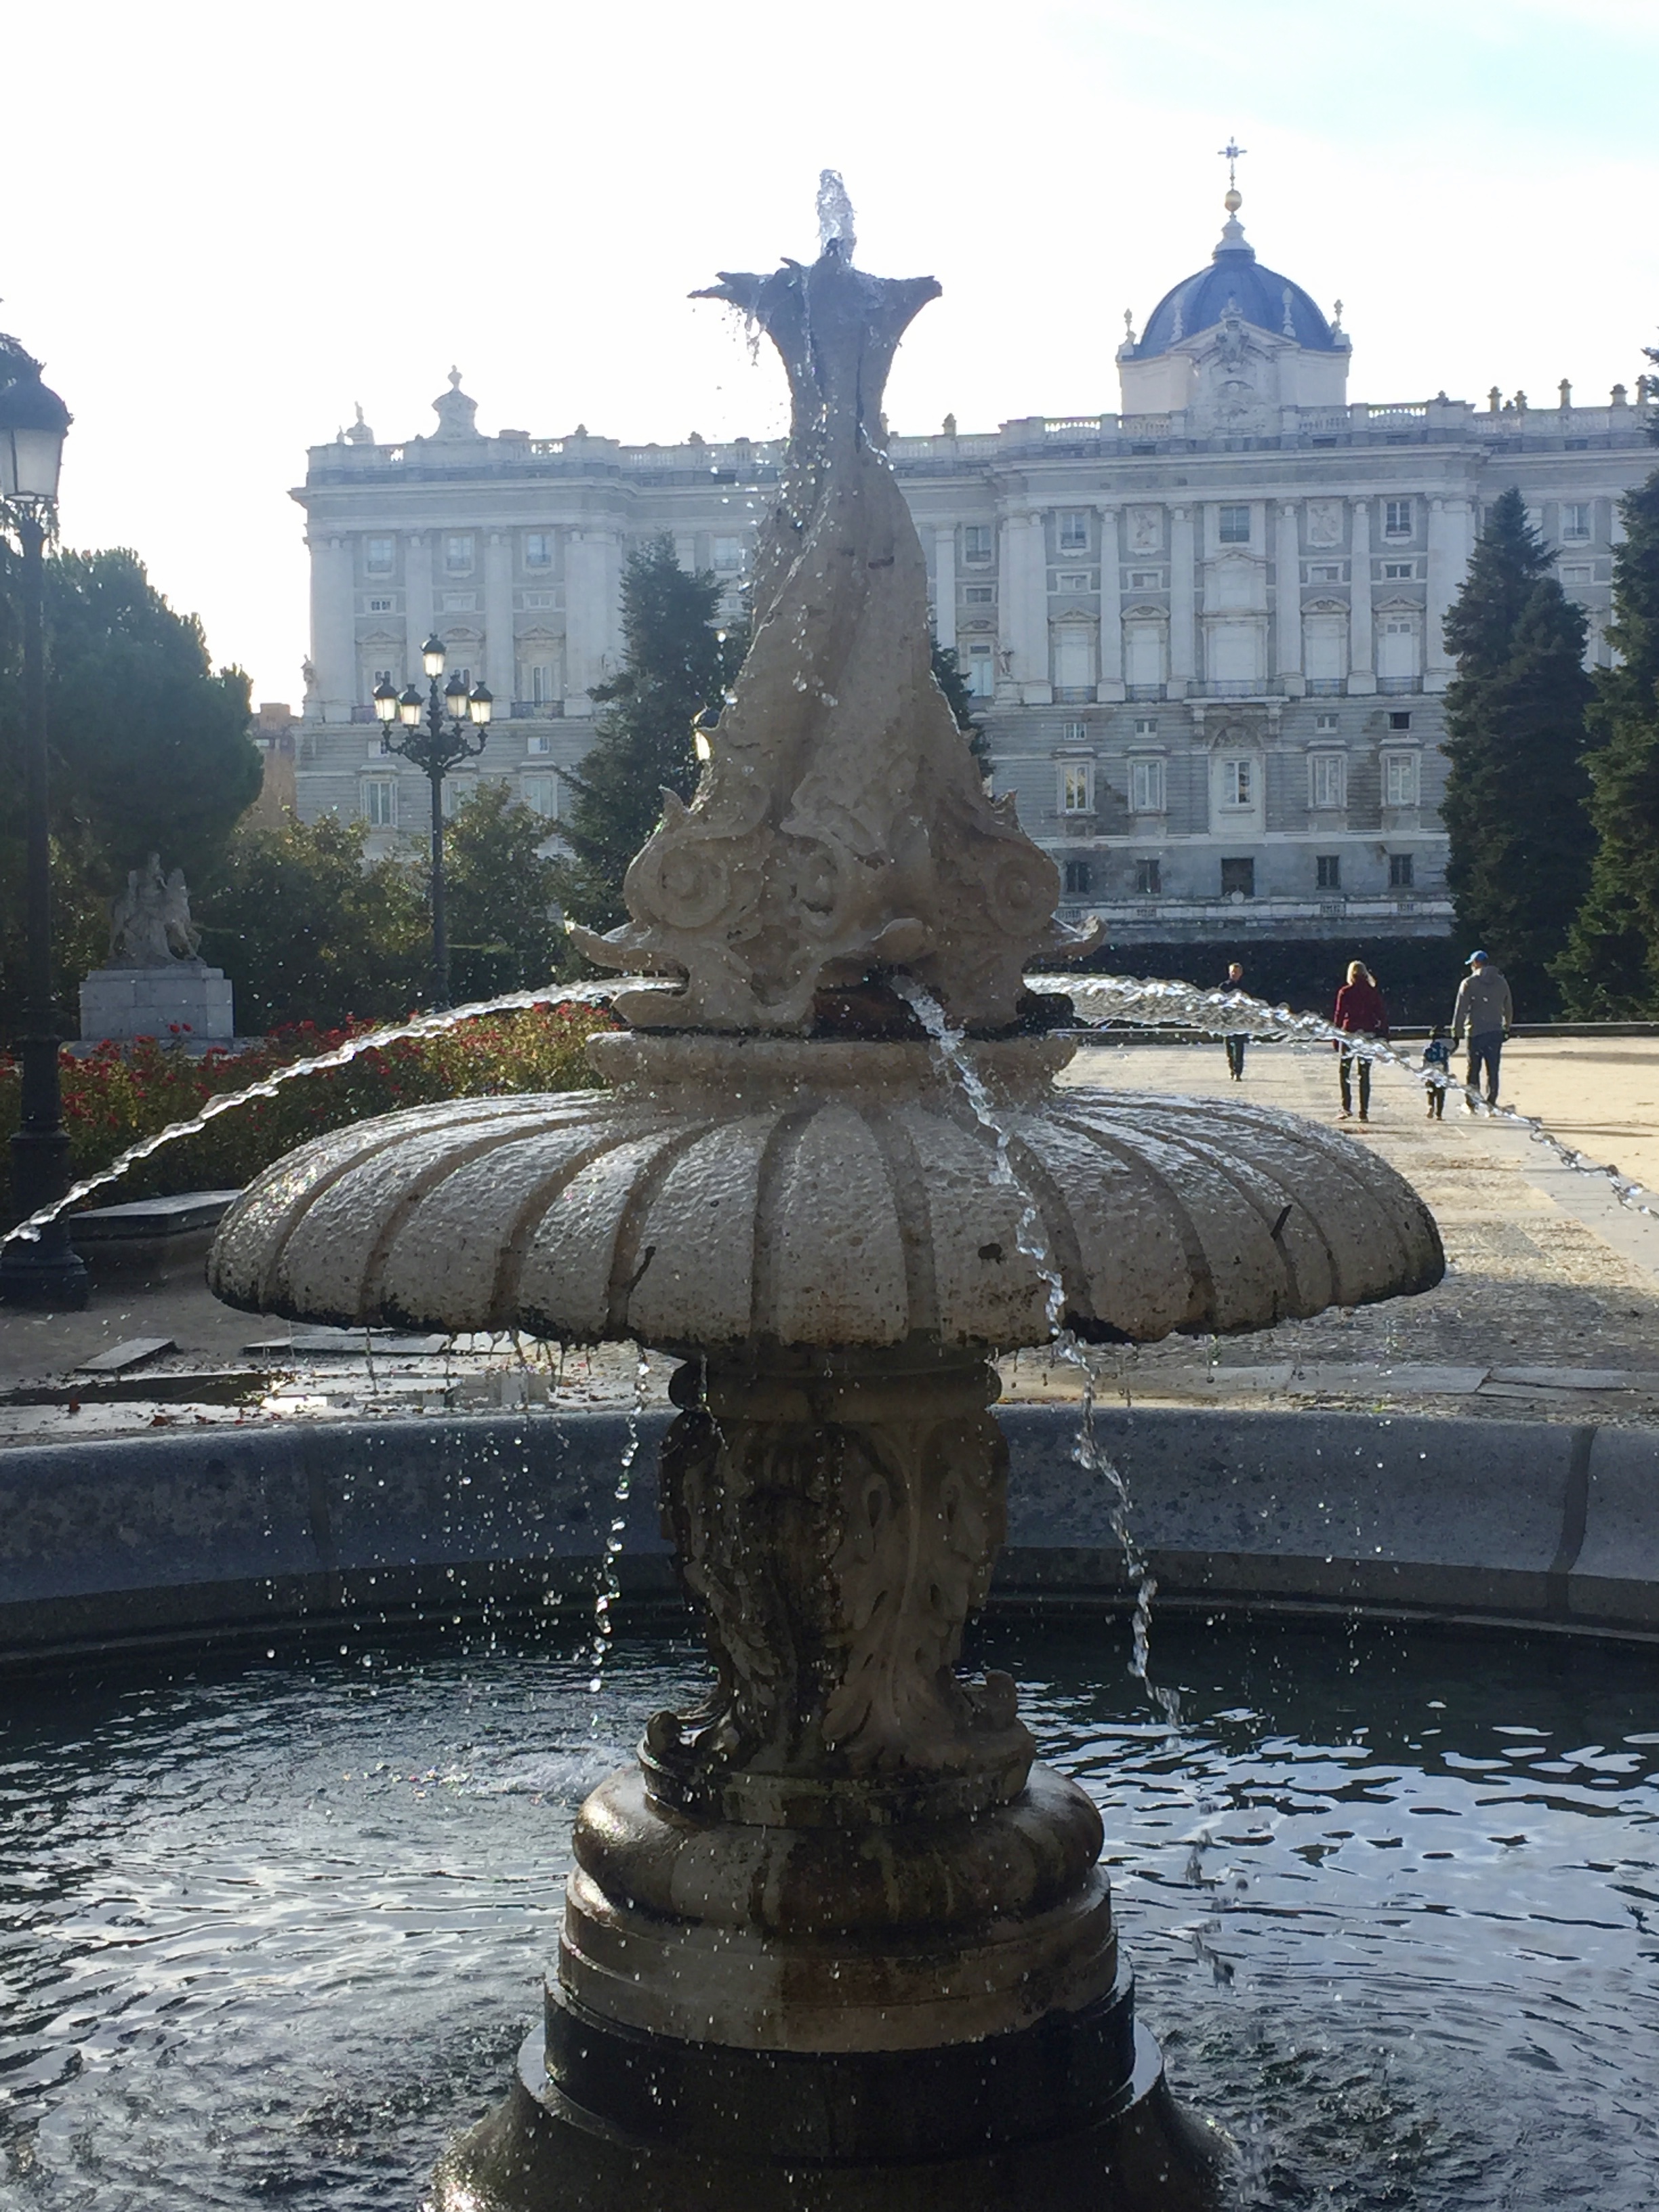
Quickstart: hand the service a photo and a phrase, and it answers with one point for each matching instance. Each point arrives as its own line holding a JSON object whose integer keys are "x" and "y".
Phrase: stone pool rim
{"x": 224, "y": 1536}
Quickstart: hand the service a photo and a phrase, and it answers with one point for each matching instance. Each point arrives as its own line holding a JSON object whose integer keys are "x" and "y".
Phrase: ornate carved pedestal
{"x": 836, "y": 1941}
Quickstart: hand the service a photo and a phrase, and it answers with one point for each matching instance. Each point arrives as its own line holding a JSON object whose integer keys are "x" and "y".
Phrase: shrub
{"x": 116, "y": 1097}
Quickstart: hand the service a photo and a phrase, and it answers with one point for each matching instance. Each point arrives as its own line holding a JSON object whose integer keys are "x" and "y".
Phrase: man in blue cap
{"x": 1486, "y": 1009}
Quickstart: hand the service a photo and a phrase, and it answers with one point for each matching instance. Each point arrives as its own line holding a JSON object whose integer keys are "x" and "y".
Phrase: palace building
{"x": 1205, "y": 629}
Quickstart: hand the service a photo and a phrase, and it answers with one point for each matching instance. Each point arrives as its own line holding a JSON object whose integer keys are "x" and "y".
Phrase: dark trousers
{"x": 1235, "y": 1053}
{"x": 1348, "y": 1061}
{"x": 1437, "y": 1097}
{"x": 1488, "y": 1048}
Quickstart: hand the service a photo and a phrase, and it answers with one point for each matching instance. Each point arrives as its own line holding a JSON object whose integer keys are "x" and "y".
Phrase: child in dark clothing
{"x": 1436, "y": 1063}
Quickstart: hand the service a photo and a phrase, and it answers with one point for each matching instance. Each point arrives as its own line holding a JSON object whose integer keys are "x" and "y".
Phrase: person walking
{"x": 1437, "y": 1071}
{"x": 1235, "y": 1044}
{"x": 1486, "y": 1010}
{"x": 1359, "y": 1012}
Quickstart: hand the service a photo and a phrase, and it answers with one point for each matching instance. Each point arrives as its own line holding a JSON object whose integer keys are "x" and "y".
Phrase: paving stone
{"x": 120, "y": 1358}
{"x": 1569, "y": 1378}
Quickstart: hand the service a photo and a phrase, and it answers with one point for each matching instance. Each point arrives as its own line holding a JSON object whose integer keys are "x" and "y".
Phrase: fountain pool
{"x": 270, "y": 1923}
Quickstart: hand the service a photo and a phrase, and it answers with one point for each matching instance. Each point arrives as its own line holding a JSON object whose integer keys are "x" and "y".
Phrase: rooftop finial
{"x": 1233, "y": 154}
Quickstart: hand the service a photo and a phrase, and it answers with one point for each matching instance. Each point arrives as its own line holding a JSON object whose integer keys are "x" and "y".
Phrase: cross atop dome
{"x": 1233, "y": 154}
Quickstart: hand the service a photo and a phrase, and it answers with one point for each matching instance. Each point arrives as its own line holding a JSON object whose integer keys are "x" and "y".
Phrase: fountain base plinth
{"x": 839, "y": 2133}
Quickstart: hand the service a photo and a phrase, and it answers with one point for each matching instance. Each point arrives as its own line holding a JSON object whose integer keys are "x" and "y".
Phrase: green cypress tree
{"x": 1520, "y": 843}
{"x": 1610, "y": 968}
{"x": 676, "y": 665}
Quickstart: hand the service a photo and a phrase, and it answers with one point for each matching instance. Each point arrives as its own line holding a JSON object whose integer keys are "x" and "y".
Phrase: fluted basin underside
{"x": 733, "y": 1190}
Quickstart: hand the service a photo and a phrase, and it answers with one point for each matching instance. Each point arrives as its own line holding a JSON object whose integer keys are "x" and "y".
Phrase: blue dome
{"x": 1237, "y": 283}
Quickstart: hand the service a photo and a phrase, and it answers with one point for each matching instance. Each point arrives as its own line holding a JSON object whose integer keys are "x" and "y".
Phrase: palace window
{"x": 1074, "y": 531}
{"x": 1147, "y": 787}
{"x": 1238, "y": 783}
{"x": 1147, "y": 580}
{"x": 1072, "y": 580}
{"x": 1396, "y": 518}
{"x": 458, "y": 553}
{"x": 1399, "y": 571}
{"x": 1327, "y": 871}
{"x": 1399, "y": 718}
{"x": 1400, "y": 779}
{"x": 982, "y": 671}
{"x": 379, "y": 556}
{"x": 980, "y": 595}
{"x": 1077, "y": 787}
{"x": 538, "y": 548}
{"x": 1327, "y": 781}
{"x": 379, "y": 607}
{"x": 1575, "y": 521}
{"x": 1238, "y": 879}
{"x": 1402, "y": 872}
{"x": 1078, "y": 879}
{"x": 1148, "y": 879}
{"x": 1074, "y": 733}
{"x": 538, "y": 742}
{"x": 1572, "y": 572}
{"x": 1325, "y": 572}
{"x": 976, "y": 543}
{"x": 728, "y": 555}
{"x": 539, "y": 680}
{"x": 1145, "y": 725}
{"x": 1234, "y": 526}
{"x": 1325, "y": 725}
{"x": 460, "y": 603}
{"x": 380, "y": 802}
{"x": 541, "y": 796}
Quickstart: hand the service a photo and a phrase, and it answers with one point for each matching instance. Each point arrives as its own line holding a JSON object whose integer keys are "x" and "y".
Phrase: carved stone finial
{"x": 841, "y": 827}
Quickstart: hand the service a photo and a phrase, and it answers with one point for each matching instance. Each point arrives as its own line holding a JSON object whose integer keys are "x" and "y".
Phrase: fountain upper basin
{"x": 818, "y": 1193}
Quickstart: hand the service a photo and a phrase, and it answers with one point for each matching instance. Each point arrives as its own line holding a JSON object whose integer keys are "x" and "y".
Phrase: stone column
{"x": 1361, "y": 663}
{"x": 945, "y": 584}
{"x": 1024, "y": 608}
{"x": 1111, "y": 607}
{"x": 333, "y": 626}
{"x": 1451, "y": 542}
{"x": 500, "y": 672}
{"x": 1287, "y": 601}
{"x": 590, "y": 614}
{"x": 419, "y": 611}
{"x": 1183, "y": 589}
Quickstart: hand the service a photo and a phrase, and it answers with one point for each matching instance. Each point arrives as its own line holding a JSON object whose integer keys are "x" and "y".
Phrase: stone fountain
{"x": 835, "y": 1941}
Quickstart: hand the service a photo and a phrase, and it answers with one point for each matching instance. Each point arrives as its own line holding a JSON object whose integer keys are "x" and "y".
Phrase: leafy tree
{"x": 150, "y": 750}
{"x": 1610, "y": 969}
{"x": 1520, "y": 842}
{"x": 675, "y": 666}
{"x": 947, "y": 674}
{"x": 502, "y": 897}
{"x": 309, "y": 930}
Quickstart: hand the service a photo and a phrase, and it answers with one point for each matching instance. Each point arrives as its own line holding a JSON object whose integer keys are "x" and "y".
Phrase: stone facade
{"x": 1205, "y": 630}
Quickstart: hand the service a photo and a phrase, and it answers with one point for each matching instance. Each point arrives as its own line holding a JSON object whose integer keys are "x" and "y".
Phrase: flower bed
{"x": 117, "y": 1095}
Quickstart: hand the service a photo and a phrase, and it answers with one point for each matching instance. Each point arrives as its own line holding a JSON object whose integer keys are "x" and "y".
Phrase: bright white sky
{"x": 241, "y": 219}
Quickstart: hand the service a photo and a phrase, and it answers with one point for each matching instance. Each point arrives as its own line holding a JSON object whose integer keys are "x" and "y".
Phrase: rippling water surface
{"x": 270, "y": 1926}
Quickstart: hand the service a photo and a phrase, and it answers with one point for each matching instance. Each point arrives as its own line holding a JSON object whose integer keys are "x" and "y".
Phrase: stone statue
{"x": 150, "y": 922}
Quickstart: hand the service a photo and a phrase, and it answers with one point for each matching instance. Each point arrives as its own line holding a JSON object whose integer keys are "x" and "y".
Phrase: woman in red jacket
{"x": 1360, "y": 1013}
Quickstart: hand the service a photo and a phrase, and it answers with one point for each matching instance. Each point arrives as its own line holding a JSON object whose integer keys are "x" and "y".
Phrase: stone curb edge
{"x": 132, "y": 1539}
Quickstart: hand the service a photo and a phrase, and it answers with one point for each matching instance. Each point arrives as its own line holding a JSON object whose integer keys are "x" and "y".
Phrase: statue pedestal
{"x": 185, "y": 997}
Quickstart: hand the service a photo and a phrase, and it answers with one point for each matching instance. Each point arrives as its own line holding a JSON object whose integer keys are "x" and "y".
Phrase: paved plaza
{"x": 1550, "y": 1308}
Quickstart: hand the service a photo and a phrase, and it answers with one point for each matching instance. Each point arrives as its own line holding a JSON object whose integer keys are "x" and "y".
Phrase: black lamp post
{"x": 44, "y": 1271}
{"x": 436, "y": 741}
